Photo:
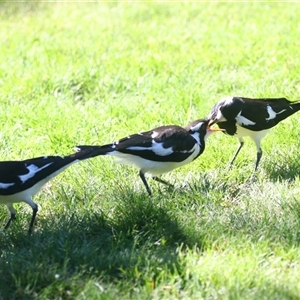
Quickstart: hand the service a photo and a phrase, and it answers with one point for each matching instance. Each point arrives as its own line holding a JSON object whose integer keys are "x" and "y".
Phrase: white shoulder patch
{"x": 243, "y": 121}
{"x": 272, "y": 113}
{"x": 158, "y": 149}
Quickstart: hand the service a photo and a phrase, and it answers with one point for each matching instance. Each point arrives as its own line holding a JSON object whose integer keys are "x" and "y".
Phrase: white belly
{"x": 22, "y": 196}
{"x": 254, "y": 135}
{"x": 153, "y": 167}
{"x": 29, "y": 193}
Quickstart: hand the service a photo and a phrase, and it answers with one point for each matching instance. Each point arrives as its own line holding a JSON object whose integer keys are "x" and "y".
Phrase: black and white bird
{"x": 159, "y": 150}
{"x": 21, "y": 180}
{"x": 241, "y": 117}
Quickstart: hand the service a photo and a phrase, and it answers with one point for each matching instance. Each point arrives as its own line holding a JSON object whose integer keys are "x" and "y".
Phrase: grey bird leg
{"x": 142, "y": 175}
{"x": 34, "y": 212}
{"x": 162, "y": 181}
{"x": 12, "y": 217}
{"x": 237, "y": 152}
{"x": 258, "y": 157}
{"x": 259, "y": 153}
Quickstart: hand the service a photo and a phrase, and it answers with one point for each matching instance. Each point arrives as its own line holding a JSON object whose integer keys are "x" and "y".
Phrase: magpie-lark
{"x": 241, "y": 117}
{"x": 159, "y": 150}
{"x": 21, "y": 180}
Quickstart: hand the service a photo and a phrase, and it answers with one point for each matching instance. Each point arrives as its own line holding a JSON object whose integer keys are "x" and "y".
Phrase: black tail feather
{"x": 92, "y": 151}
{"x": 296, "y": 105}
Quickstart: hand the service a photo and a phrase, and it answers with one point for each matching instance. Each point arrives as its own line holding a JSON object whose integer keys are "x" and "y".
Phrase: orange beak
{"x": 208, "y": 128}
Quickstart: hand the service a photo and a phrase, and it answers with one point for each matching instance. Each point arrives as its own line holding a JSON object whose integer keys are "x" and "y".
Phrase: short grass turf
{"x": 90, "y": 73}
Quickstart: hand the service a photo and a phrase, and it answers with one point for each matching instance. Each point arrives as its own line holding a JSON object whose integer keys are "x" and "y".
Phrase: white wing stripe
{"x": 158, "y": 148}
{"x": 272, "y": 113}
{"x": 33, "y": 169}
{"x": 5, "y": 185}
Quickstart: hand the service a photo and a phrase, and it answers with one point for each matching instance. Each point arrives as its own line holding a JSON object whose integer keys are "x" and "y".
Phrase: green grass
{"x": 90, "y": 73}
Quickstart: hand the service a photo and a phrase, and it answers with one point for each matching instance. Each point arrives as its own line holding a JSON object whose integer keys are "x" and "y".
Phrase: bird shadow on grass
{"x": 287, "y": 171}
{"x": 139, "y": 236}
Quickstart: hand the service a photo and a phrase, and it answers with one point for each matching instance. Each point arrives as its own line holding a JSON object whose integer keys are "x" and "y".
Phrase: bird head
{"x": 225, "y": 110}
{"x": 217, "y": 119}
{"x": 202, "y": 128}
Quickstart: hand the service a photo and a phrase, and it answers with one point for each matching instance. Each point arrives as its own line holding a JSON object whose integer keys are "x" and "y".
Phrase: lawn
{"x": 90, "y": 73}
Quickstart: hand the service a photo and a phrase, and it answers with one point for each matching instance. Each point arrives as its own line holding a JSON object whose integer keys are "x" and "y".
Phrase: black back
{"x": 255, "y": 110}
{"x": 174, "y": 137}
{"x": 11, "y": 170}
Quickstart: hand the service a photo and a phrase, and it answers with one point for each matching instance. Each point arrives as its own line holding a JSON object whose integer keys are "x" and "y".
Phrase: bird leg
{"x": 34, "y": 212}
{"x": 158, "y": 179}
{"x": 259, "y": 153}
{"x": 142, "y": 175}
{"x": 237, "y": 151}
{"x": 162, "y": 181}
{"x": 258, "y": 157}
{"x": 12, "y": 214}
{"x": 12, "y": 217}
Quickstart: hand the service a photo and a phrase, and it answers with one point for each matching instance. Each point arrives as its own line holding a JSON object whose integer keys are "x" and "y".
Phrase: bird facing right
{"x": 21, "y": 180}
{"x": 159, "y": 150}
{"x": 241, "y": 117}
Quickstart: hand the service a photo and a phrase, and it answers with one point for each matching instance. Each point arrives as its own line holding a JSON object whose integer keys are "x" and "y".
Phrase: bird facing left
{"x": 240, "y": 117}
{"x": 21, "y": 180}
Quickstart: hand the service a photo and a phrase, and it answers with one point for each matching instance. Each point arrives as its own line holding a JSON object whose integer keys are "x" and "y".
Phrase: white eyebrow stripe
{"x": 5, "y": 185}
{"x": 33, "y": 169}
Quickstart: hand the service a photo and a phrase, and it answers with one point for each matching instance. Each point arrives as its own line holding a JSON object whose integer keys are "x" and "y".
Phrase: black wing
{"x": 256, "y": 110}
{"x": 229, "y": 126}
{"x": 165, "y": 143}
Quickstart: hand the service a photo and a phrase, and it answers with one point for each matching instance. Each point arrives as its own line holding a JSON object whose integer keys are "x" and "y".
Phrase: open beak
{"x": 212, "y": 122}
{"x": 209, "y": 129}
